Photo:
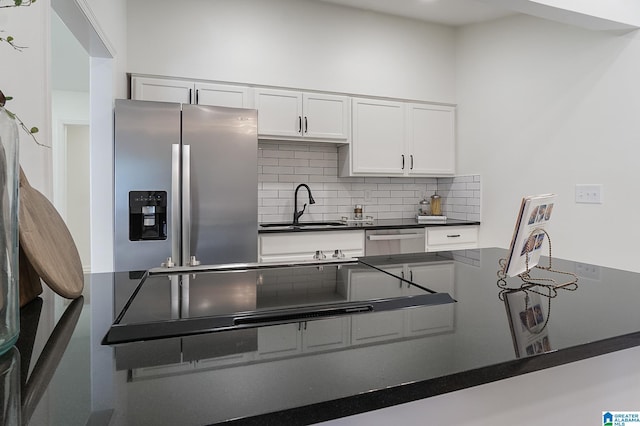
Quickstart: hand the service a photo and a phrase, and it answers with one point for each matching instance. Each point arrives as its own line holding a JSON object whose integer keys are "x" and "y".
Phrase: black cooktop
{"x": 184, "y": 302}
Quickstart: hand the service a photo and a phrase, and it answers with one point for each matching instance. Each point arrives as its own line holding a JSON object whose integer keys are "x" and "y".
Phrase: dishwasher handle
{"x": 388, "y": 237}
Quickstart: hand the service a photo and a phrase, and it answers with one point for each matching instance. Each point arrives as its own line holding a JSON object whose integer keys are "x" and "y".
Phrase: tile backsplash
{"x": 284, "y": 165}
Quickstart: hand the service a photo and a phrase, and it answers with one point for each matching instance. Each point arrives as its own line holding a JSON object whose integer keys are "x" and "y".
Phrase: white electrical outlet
{"x": 368, "y": 198}
{"x": 589, "y": 194}
{"x": 585, "y": 270}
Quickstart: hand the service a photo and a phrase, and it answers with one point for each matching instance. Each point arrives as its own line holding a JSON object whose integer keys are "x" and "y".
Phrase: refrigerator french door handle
{"x": 186, "y": 204}
{"x": 176, "y": 249}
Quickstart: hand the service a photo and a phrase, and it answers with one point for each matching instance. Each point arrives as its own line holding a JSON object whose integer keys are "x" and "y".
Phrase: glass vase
{"x": 9, "y": 273}
{"x": 10, "y": 388}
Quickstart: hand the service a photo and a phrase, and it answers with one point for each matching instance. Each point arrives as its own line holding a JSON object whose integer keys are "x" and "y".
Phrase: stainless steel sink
{"x": 328, "y": 224}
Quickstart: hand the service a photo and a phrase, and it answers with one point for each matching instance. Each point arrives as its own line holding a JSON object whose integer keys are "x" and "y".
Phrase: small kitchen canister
{"x": 436, "y": 205}
{"x": 424, "y": 207}
{"x": 357, "y": 212}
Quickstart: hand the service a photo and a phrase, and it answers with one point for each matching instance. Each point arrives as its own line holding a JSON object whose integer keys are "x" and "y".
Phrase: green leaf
{"x": 17, "y": 2}
{"x": 8, "y": 97}
{"x": 33, "y": 130}
{"x": 10, "y": 114}
{"x": 9, "y": 39}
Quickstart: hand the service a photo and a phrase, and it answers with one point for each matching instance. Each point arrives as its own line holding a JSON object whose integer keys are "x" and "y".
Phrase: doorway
{"x": 77, "y": 189}
{"x": 71, "y": 135}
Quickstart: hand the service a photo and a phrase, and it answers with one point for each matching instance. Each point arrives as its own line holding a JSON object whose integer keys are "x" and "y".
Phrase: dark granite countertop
{"x": 375, "y": 224}
{"x": 288, "y": 377}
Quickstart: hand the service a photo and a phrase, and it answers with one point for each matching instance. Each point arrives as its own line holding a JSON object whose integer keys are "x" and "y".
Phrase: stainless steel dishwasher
{"x": 394, "y": 241}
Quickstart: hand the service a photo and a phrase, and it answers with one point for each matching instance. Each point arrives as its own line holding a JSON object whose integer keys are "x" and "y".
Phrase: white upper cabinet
{"x": 431, "y": 139}
{"x": 378, "y": 137}
{"x": 326, "y": 116}
{"x": 161, "y": 90}
{"x": 394, "y": 138}
{"x": 225, "y": 95}
{"x": 189, "y": 92}
{"x": 293, "y": 115}
{"x": 279, "y": 112}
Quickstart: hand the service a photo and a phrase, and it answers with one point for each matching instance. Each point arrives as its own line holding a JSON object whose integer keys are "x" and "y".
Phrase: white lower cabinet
{"x": 419, "y": 321}
{"x": 308, "y": 336}
{"x": 441, "y": 238}
{"x": 302, "y": 246}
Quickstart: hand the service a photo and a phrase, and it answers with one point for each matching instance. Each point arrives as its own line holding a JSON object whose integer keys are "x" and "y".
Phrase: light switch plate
{"x": 589, "y": 193}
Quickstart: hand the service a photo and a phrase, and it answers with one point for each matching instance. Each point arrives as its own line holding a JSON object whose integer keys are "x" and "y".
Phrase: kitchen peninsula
{"x": 157, "y": 382}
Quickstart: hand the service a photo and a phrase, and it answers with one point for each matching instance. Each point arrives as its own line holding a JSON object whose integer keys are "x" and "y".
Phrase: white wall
{"x": 23, "y": 75}
{"x": 545, "y": 106}
{"x": 301, "y": 44}
{"x": 109, "y": 18}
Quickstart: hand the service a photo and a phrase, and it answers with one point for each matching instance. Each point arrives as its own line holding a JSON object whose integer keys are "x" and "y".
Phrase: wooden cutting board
{"x": 48, "y": 244}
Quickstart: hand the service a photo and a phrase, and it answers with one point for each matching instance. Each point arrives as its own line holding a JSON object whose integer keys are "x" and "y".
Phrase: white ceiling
{"x": 446, "y": 12}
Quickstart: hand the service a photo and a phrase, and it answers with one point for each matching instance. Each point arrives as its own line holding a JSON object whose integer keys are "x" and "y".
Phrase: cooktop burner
{"x": 182, "y": 302}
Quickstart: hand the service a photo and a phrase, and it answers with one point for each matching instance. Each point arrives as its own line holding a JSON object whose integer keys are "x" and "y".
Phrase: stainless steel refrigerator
{"x": 185, "y": 184}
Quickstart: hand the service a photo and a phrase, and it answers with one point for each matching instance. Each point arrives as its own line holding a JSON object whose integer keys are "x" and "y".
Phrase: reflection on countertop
{"x": 313, "y": 371}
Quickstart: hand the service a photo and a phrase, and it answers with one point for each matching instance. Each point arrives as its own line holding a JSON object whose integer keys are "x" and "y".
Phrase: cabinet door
{"x": 299, "y": 246}
{"x": 279, "y": 113}
{"x": 431, "y": 139}
{"x": 377, "y": 326}
{"x": 225, "y": 95}
{"x": 162, "y": 90}
{"x": 326, "y": 117}
{"x": 378, "y": 137}
{"x": 279, "y": 340}
{"x": 326, "y": 334}
{"x": 432, "y": 319}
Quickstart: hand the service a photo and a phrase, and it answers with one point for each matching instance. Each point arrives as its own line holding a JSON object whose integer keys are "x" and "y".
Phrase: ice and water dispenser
{"x": 147, "y": 215}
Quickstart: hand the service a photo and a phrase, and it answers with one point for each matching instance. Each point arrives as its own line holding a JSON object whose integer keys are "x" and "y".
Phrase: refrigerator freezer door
{"x": 224, "y": 183}
{"x": 144, "y": 133}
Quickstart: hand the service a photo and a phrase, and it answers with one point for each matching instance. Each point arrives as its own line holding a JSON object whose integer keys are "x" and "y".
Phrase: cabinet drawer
{"x": 452, "y": 238}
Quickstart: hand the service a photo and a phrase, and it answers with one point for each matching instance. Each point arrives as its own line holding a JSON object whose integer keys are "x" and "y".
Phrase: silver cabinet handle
{"x": 190, "y": 95}
{"x": 197, "y": 96}
{"x": 306, "y": 126}
{"x": 299, "y": 124}
{"x": 388, "y": 237}
{"x": 402, "y": 161}
{"x": 453, "y": 235}
{"x": 411, "y": 161}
